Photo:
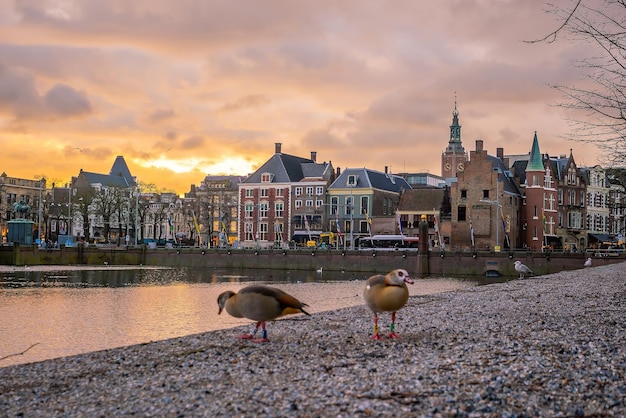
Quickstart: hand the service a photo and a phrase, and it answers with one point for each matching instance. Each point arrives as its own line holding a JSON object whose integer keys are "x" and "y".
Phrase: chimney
{"x": 338, "y": 171}
{"x": 314, "y": 156}
{"x": 278, "y": 145}
{"x": 479, "y": 145}
{"x": 386, "y": 170}
{"x": 500, "y": 154}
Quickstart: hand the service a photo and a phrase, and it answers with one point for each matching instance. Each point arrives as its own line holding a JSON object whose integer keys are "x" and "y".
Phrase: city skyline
{"x": 183, "y": 90}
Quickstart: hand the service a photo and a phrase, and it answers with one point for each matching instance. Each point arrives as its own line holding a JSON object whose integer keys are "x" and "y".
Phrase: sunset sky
{"x": 185, "y": 88}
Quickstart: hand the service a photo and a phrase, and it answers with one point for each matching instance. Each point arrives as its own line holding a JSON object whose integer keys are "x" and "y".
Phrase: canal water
{"x": 76, "y": 310}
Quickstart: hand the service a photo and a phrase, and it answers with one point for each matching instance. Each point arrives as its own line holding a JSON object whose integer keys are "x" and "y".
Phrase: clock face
{"x": 447, "y": 166}
{"x": 460, "y": 167}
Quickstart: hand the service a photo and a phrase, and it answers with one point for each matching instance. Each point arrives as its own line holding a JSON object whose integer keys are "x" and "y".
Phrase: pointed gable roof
{"x": 119, "y": 176}
{"x": 535, "y": 162}
{"x": 120, "y": 169}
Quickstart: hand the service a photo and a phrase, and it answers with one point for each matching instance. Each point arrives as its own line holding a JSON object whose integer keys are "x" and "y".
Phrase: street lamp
{"x": 351, "y": 217}
{"x": 39, "y": 212}
{"x": 70, "y": 226}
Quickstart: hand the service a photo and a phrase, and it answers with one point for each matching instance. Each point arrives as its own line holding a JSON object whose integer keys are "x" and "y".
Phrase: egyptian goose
{"x": 523, "y": 270}
{"x": 588, "y": 262}
{"x": 387, "y": 293}
{"x": 261, "y": 304}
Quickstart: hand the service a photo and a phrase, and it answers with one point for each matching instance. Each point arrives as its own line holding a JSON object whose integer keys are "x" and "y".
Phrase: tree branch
{"x": 18, "y": 354}
{"x": 554, "y": 33}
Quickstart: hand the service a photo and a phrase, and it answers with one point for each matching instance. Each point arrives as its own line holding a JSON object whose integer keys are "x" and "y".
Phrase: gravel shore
{"x": 550, "y": 346}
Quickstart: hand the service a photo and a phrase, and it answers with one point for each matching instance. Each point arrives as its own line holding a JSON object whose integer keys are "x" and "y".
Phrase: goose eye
{"x": 400, "y": 273}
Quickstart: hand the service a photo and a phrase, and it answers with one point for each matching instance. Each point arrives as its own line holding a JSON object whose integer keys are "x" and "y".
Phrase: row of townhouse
{"x": 480, "y": 201}
{"x": 532, "y": 201}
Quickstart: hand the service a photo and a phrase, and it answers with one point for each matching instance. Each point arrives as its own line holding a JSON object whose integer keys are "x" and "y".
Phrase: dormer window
{"x": 266, "y": 178}
{"x": 352, "y": 179}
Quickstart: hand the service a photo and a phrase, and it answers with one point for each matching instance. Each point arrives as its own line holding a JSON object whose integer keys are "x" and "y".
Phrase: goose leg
{"x": 263, "y": 338}
{"x": 392, "y": 327}
{"x": 376, "y": 335}
{"x": 249, "y": 336}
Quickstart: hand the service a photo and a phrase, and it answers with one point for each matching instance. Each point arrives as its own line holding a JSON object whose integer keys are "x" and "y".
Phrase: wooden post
{"x": 423, "y": 265}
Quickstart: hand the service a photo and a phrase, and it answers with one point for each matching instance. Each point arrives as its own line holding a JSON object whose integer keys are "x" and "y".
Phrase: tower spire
{"x": 455, "y": 145}
{"x": 535, "y": 162}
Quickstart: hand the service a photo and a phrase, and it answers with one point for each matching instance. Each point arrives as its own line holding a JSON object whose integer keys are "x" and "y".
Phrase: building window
{"x": 571, "y": 197}
{"x": 535, "y": 180}
{"x": 319, "y": 203}
{"x": 263, "y": 209}
{"x": 548, "y": 179}
{"x": 266, "y": 178}
{"x": 249, "y": 193}
{"x": 249, "y": 210}
{"x": 298, "y": 191}
{"x": 298, "y": 204}
{"x": 249, "y": 228}
{"x": 463, "y": 194}
{"x": 363, "y": 227}
{"x": 264, "y": 193}
{"x": 352, "y": 180}
{"x": 263, "y": 231}
{"x": 309, "y": 203}
{"x": 319, "y": 190}
{"x": 462, "y": 216}
{"x": 309, "y": 190}
{"x": 574, "y": 220}
{"x": 334, "y": 202}
{"x": 349, "y": 205}
{"x": 279, "y": 208}
{"x": 364, "y": 204}
{"x": 280, "y": 191}
{"x": 486, "y": 194}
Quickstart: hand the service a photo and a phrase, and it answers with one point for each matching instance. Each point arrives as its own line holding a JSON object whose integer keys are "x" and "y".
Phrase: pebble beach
{"x": 548, "y": 346}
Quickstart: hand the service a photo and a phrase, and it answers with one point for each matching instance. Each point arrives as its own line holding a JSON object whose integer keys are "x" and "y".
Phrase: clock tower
{"x": 454, "y": 157}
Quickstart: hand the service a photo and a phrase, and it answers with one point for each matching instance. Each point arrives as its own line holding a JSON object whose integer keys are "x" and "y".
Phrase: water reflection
{"x": 24, "y": 277}
{"x": 75, "y": 311}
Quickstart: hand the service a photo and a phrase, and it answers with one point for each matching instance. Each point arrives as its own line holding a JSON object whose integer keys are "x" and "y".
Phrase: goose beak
{"x": 408, "y": 280}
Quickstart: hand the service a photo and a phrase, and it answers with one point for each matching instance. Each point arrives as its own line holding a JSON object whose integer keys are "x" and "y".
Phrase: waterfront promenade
{"x": 552, "y": 345}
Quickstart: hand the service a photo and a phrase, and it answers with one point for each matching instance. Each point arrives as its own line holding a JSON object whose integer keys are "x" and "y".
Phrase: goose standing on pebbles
{"x": 261, "y": 304}
{"x": 588, "y": 262}
{"x": 387, "y": 293}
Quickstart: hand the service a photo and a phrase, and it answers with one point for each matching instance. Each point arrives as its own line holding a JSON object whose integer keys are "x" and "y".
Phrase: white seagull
{"x": 588, "y": 262}
{"x": 523, "y": 270}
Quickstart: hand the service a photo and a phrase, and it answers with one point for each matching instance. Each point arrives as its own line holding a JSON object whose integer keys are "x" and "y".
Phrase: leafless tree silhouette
{"x": 600, "y": 99}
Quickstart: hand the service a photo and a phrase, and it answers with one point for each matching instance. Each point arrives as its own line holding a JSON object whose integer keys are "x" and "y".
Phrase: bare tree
{"x": 602, "y": 97}
{"x": 82, "y": 205}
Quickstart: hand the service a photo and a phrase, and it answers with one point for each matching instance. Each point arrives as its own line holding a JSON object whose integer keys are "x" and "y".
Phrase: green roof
{"x": 535, "y": 162}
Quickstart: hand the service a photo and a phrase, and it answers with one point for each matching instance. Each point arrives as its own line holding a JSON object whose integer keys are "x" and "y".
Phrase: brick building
{"x": 485, "y": 203}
